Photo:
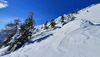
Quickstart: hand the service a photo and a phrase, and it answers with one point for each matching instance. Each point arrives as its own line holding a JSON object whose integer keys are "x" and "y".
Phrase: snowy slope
{"x": 92, "y": 15}
{"x": 78, "y": 38}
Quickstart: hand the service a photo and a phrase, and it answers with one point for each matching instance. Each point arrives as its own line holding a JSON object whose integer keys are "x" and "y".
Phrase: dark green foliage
{"x": 62, "y": 17}
{"x": 52, "y": 23}
{"x": 25, "y": 31}
{"x": 6, "y": 42}
{"x": 70, "y": 17}
{"x": 28, "y": 25}
{"x": 16, "y": 22}
{"x": 46, "y": 22}
{"x": 62, "y": 20}
{"x": 73, "y": 18}
{"x": 19, "y": 42}
{"x": 22, "y": 28}
{"x": 8, "y": 39}
{"x": 9, "y": 31}
{"x": 45, "y": 25}
{"x": 76, "y": 12}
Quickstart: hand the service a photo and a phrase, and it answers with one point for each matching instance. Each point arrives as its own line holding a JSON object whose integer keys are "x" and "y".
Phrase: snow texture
{"x": 78, "y": 38}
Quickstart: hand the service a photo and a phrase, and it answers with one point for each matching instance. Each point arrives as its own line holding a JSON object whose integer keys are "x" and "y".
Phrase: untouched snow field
{"x": 92, "y": 15}
{"x": 79, "y": 38}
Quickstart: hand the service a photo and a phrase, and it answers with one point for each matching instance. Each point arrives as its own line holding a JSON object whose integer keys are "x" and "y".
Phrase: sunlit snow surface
{"x": 79, "y": 38}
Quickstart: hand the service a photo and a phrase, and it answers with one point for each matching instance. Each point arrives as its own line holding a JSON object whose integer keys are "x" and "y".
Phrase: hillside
{"x": 78, "y": 38}
{"x": 90, "y": 13}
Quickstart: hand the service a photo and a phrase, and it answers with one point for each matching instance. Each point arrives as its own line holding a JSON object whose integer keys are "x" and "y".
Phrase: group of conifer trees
{"x": 70, "y": 17}
{"x": 9, "y": 31}
{"x": 24, "y": 32}
{"x": 52, "y": 24}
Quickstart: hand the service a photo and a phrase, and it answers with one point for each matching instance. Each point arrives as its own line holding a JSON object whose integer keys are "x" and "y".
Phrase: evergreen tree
{"x": 45, "y": 25}
{"x": 9, "y": 32}
{"x": 25, "y": 31}
{"x": 70, "y": 17}
{"x": 16, "y": 21}
{"x": 28, "y": 25}
{"x": 62, "y": 20}
{"x": 52, "y": 23}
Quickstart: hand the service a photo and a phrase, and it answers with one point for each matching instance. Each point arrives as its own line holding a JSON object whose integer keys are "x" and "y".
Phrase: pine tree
{"x": 25, "y": 31}
{"x": 52, "y": 23}
{"x": 62, "y": 20}
{"x": 9, "y": 32}
{"x": 28, "y": 25}
{"x": 45, "y": 25}
{"x": 16, "y": 21}
{"x": 70, "y": 17}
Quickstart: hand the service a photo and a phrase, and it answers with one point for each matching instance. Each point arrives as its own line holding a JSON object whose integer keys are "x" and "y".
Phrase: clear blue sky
{"x": 43, "y": 9}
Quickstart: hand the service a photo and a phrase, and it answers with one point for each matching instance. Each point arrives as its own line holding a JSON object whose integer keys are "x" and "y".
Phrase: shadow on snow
{"x": 40, "y": 39}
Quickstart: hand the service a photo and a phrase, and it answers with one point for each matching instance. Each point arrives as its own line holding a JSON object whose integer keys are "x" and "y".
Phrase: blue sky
{"x": 43, "y": 9}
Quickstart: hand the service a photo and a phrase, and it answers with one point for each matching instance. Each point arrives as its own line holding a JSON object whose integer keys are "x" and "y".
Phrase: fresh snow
{"x": 78, "y": 38}
{"x": 92, "y": 15}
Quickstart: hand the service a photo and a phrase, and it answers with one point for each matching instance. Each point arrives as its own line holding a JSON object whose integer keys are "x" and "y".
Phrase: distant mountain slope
{"x": 78, "y": 38}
